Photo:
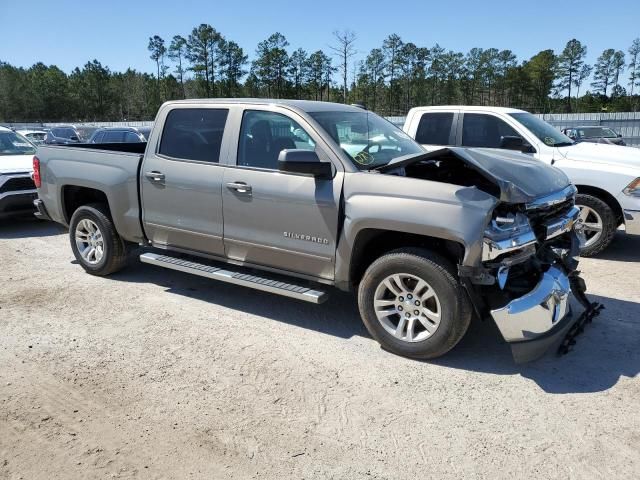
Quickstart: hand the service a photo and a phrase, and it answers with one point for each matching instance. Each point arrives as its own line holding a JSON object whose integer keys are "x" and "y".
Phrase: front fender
{"x": 414, "y": 206}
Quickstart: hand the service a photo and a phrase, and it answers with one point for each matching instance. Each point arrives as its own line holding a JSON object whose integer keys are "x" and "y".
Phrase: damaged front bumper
{"x": 538, "y": 311}
{"x": 539, "y": 319}
{"x": 528, "y": 277}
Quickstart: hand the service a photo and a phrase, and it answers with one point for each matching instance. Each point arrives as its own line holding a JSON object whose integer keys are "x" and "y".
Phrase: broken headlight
{"x": 505, "y": 234}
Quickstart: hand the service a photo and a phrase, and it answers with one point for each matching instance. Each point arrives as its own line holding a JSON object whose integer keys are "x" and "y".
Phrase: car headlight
{"x": 633, "y": 189}
{"x": 505, "y": 234}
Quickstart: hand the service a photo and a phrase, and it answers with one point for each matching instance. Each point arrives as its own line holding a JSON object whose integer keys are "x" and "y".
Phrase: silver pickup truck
{"x": 294, "y": 197}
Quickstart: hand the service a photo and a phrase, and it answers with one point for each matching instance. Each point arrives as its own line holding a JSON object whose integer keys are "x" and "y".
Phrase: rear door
{"x": 436, "y": 130}
{"x": 281, "y": 220}
{"x": 181, "y": 179}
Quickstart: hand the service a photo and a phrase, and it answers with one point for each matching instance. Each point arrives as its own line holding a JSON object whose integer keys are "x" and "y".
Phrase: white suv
{"x": 607, "y": 176}
{"x": 17, "y": 190}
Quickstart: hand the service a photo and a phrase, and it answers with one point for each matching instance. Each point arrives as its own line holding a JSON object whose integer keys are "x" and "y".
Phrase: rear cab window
{"x": 435, "y": 128}
{"x": 194, "y": 134}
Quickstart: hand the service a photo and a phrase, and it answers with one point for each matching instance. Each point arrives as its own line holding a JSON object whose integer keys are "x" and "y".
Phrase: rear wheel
{"x": 413, "y": 305}
{"x": 95, "y": 241}
{"x": 596, "y": 224}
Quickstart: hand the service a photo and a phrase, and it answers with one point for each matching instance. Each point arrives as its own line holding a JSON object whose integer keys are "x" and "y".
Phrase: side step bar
{"x": 237, "y": 278}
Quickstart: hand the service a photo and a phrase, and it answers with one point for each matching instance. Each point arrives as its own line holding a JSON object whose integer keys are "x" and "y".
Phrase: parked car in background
{"x": 34, "y": 136}
{"x": 607, "y": 176}
{"x": 17, "y": 189}
{"x": 294, "y": 196}
{"x": 62, "y": 135}
{"x": 594, "y": 134}
{"x": 117, "y": 135}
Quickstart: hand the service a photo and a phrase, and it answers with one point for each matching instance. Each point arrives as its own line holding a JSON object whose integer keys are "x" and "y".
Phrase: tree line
{"x": 390, "y": 79}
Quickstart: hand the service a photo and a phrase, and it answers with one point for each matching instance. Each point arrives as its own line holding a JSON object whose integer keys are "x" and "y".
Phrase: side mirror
{"x": 74, "y": 138}
{"x": 512, "y": 142}
{"x": 305, "y": 162}
{"x": 619, "y": 135}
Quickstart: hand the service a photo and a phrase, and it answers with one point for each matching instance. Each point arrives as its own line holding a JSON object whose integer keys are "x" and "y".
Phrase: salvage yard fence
{"x": 626, "y": 123}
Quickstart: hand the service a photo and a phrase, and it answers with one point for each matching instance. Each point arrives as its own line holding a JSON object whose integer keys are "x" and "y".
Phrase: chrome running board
{"x": 237, "y": 278}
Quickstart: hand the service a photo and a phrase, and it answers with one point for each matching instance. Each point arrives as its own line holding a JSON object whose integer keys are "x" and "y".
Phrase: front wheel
{"x": 596, "y": 224}
{"x": 95, "y": 241}
{"x": 413, "y": 305}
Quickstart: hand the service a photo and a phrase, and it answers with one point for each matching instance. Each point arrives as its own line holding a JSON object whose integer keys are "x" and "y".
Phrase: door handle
{"x": 239, "y": 187}
{"x": 155, "y": 176}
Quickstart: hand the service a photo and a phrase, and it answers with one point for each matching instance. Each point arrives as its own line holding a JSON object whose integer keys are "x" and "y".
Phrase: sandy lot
{"x": 157, "y": 374}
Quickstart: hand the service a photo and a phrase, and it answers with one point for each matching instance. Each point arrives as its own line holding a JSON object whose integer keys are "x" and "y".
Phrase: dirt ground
{"x": 158, "y": 374}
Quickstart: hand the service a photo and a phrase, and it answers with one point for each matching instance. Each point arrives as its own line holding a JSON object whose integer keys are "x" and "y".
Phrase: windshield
{"x": 541, "y": 129}
{"x": 13, "y": 144}
{"x": 596, "y": 132}
{"x": 368, "y": 140}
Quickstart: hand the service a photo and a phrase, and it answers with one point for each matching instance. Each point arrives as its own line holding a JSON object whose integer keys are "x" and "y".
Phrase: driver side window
{"x": 264, "y": 135}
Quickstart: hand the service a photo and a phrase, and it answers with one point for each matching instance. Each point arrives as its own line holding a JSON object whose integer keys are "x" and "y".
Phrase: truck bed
{"x": 111, "y": 170}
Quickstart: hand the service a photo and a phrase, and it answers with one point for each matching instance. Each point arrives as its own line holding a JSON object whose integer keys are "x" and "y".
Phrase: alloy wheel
{"x": 407, "y": 307}
{"x": 89, "y": 241}
{"x": 589, "y": 226}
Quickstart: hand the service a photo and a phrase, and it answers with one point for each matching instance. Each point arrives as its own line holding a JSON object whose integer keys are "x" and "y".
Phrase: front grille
{"x": 17, "y": 184}
{"x": 539, "y": 216}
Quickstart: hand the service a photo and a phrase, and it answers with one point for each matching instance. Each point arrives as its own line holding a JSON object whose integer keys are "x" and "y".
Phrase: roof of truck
{"x": 465, "y": 108}
{"x": 304, "y": 105}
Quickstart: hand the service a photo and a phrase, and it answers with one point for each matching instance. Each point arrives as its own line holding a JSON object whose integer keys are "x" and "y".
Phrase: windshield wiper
{"x": 564, "y": 144}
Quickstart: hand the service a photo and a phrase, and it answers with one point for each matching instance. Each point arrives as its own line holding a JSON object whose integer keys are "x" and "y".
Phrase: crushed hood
{"x": 520, "y": 178}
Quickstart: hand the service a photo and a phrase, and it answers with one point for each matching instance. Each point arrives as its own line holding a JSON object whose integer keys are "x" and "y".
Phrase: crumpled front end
{"x": 528, "y": 272}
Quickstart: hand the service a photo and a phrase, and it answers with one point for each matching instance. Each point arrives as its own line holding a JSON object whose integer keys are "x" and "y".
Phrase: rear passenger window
{"x": 265, "y": 134}
{"x": 435, "y": 128}
{"x": 194, "y": 134}
{"x": 480, "y": 130}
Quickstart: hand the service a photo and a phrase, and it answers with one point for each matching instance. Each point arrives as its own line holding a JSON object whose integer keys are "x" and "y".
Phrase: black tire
{"x": 609, "y": 223}
{"x": 114, "y": 257}
{"x": 455, "y": 314}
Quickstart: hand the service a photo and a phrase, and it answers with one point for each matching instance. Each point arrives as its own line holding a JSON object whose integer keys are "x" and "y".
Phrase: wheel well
{"x": 606, "y": 197}
{"x": 74, "y": 197}
{"x": 371, "y": 244}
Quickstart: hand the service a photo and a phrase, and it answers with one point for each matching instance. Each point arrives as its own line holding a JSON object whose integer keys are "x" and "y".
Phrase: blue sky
{"x": 69, "y": 33}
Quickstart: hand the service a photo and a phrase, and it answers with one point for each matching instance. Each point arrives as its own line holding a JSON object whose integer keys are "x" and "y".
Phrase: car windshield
{"x": 597, "y": 132}
{"x": 13, "y": 144}
{"x": 541, "y": 129}
{"x": 368, "y": 140}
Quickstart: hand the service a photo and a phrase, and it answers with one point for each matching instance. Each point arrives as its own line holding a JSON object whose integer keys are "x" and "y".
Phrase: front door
{"x": 181, "y": 182}
{"x": 280, "y": 220}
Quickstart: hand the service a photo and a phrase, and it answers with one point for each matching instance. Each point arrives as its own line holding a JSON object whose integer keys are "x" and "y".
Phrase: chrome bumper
{"x": 538, "y": 312}
{"x": 632, "y": 222}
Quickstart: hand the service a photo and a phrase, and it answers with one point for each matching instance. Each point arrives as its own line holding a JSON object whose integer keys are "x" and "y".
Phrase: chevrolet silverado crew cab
{"x": 292, "y": 197}
{"x": 607, "y": 176}
{"x": 17, "y": 190}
